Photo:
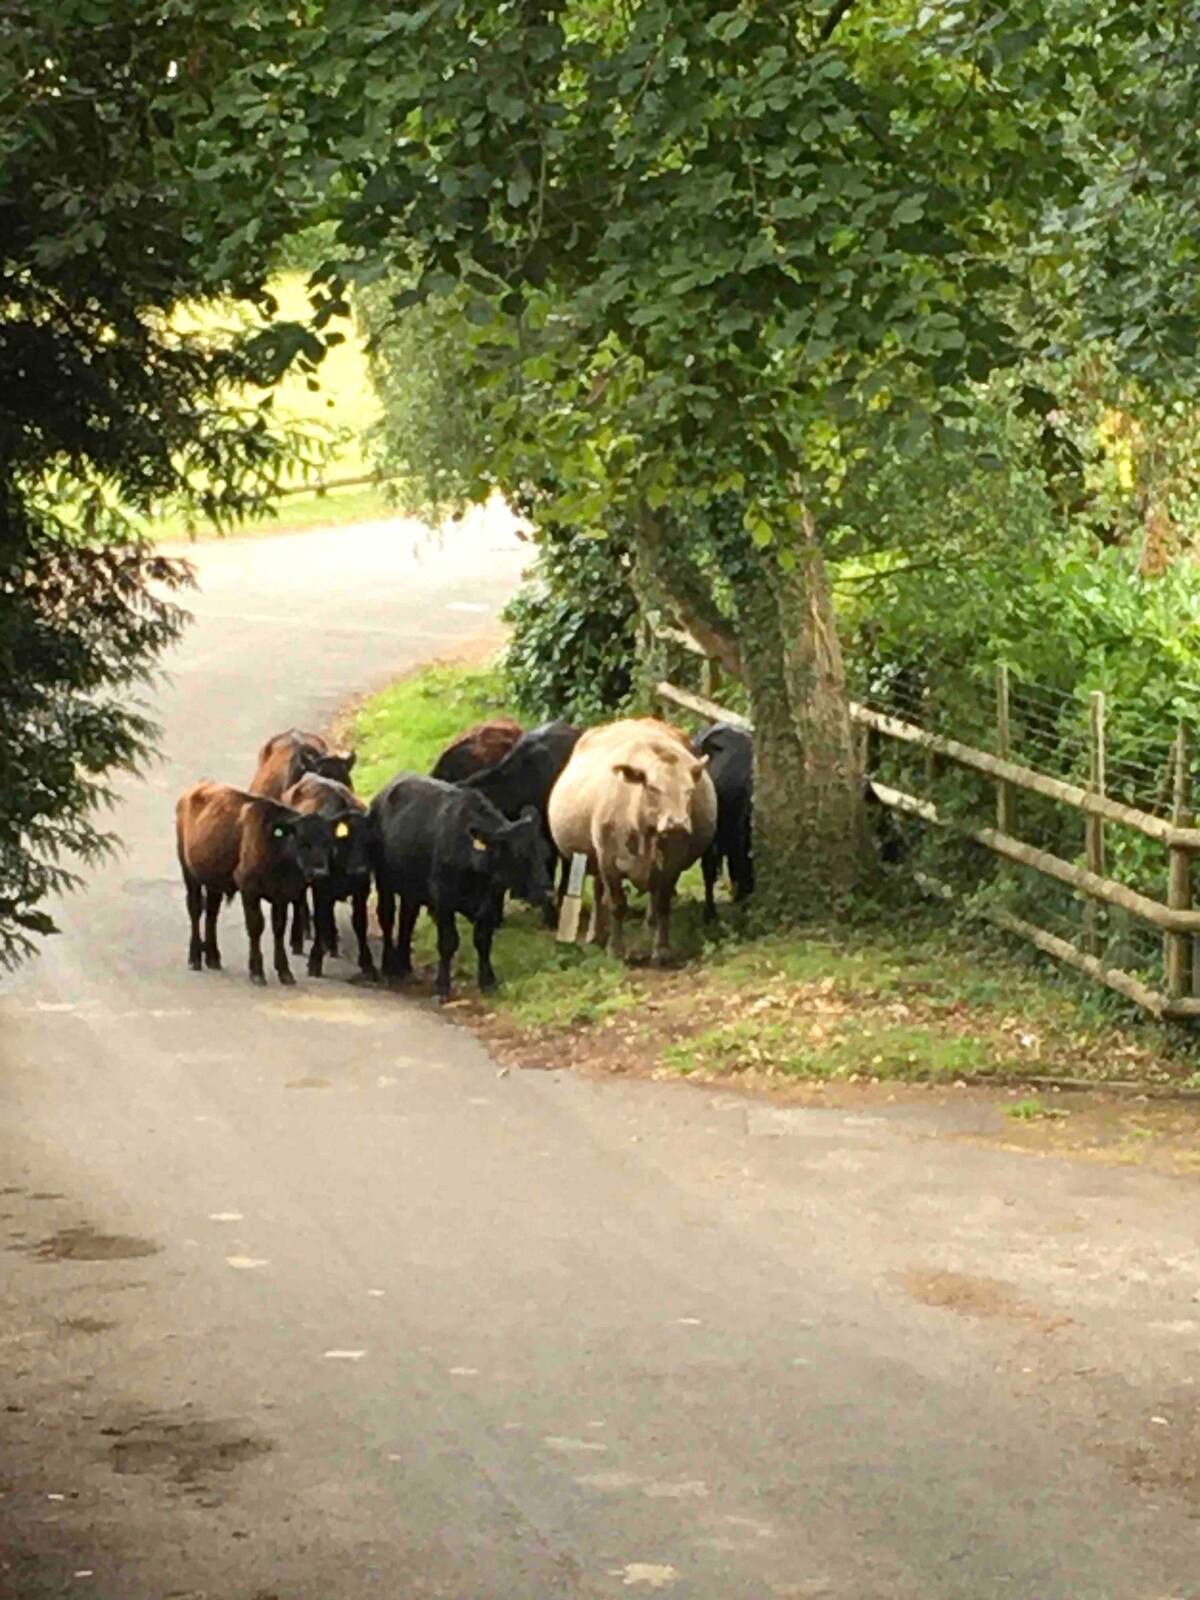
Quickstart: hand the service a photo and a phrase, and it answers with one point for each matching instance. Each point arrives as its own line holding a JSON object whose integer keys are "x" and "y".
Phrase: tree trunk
{"x": 809, "y": 824}
{"x": 809, "y": 827}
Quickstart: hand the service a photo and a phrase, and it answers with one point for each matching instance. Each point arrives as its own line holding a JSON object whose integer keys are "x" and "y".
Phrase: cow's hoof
{"x": 314, "y": 971}
{"x": 194, "y": 963}
{"x": 441, "y": 999}
{"x": 366, "y": 975}
{"x": 286, "y": 978}
{"x": 661, "y": 958}
{"x": 212, "y": 961}
{"x": 488, "y": 985}
{"x": 260, "y": 978}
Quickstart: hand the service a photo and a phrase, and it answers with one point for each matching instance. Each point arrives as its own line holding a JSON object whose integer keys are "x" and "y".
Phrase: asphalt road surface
{"x": 300, "y": 1299}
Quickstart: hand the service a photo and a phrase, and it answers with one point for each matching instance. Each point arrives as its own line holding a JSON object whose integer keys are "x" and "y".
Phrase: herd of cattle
{"x": 638, "y": 798}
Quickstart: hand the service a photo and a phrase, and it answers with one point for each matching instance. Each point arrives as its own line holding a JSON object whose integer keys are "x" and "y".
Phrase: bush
{"x": 573, "y": 651}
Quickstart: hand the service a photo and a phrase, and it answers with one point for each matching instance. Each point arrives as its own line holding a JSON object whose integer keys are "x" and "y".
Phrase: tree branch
{"x": 685, "y": 592}
{"x": 829, "y": 27}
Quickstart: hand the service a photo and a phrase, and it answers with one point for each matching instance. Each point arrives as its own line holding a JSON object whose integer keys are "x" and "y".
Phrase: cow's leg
{"x": 660, "y": 898}
{"x": 331, "y": 932}
{"x": 410, "y": 910}
{"x": 212, "y": 910}
{"x": 447, "y": 938}
{"x": 195, "y": 900}
{"x": 255, "y": 923}
{"x": 279, "y": 924}
{"x": 299, "y": 924}
{"x": 385, "y": 910}
{"x": 358, "y": 916}
{"x": 485, "y": 929}
{"x": 710, "y": 865}
{"x": 614, "y": 893}
{"x": 598, "y": 927}
{"x": 322, "y": 910}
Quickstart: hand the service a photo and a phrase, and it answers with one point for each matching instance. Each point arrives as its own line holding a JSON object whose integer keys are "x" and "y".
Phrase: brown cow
{"x": 231, "y": 842}
{"x": 350, "y": 872}
{"x": 286, "y": 757}
{"x": 478, "y": 748}
{"x": 641, "y": 807}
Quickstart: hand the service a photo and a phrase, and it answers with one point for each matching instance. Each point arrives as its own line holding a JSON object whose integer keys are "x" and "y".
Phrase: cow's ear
{"x": 699, "y": 766}
{"x": 530, "y": 814}
{"x": 349, "y": 757}
{"x": 630, "y": 774}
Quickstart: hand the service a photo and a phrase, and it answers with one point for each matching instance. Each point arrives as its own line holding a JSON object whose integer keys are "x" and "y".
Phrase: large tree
{"x": 706, "y": 251}
{"x": 113, "y": 211}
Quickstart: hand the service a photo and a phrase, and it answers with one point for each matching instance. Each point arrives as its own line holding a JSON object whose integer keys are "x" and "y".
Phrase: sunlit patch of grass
{"x": 406, "y": 727}
{"x": 295, "y": 512}
{"x": 340, "y": 410}
{"x": 912, "y": 1051}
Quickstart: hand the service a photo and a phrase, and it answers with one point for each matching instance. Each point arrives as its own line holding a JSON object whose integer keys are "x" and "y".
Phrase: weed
{"x": 1032, "y": 1109}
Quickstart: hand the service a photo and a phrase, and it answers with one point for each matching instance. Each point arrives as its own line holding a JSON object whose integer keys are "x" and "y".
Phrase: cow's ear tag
{"x": 279, "y": 830}
{"x": 478, "y": 844}
{"x": 342, "y": 831}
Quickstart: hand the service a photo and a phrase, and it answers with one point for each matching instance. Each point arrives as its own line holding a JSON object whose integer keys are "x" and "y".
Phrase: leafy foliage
{"x": 573, "y": 651}
{"x": 111, "y": 219}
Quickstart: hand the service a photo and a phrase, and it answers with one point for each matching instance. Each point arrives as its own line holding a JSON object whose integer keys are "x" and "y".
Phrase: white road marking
{"x": 572, "y": 1446}
{"x": 246, "y": 1263}
{"x": 344, "y": 1355}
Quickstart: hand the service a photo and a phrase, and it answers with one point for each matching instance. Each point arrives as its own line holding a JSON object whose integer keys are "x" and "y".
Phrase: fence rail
{"x": 1176, "y": 919}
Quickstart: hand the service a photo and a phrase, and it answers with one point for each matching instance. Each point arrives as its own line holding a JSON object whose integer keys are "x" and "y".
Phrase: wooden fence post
{"x": 1178, "y": 946}
{"x": 1006, "y": 797}
{"x": 1093, "y": 827}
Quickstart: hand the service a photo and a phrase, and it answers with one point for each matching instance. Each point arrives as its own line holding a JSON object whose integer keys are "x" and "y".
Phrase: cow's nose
{"x": 672, "y": 827}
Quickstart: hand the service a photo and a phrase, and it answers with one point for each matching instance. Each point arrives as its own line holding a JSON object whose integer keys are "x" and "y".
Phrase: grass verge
{"x": 341, "y": 407}
{"x": 906, "y": 996}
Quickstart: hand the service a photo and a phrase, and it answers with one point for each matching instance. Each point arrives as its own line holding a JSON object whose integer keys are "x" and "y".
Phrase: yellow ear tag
{"x": 342, "y": 830}
{"x": 478, "y": 844}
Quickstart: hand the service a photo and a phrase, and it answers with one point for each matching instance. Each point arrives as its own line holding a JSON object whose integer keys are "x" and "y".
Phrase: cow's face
{"x": 306, "y": 842}
{"x": 335, "y": 764}
{"x": 665, "y": 788}
{"x": 515, "y": 856}
{"x": 351, "y": 846}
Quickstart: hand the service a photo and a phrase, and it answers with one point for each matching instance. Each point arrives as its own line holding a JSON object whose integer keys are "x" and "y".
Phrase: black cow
{"x": 526, "y": 776}
{"x": 730, "y": 753}
{"x": 437, "y": 845}
{"x": 350, "y": 870}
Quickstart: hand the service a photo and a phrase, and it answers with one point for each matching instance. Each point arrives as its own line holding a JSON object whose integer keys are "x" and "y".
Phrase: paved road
{"x": 301, "y": 1300}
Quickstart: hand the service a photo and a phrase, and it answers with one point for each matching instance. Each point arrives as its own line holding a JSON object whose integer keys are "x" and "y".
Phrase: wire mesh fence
{"x": 1055, "y": 813}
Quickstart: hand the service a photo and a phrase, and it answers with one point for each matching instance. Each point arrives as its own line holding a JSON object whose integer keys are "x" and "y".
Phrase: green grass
{"x": 342, "y": 408}
{"x": 337, "y": 508}
{"x": 901, "y": 993}
{"x": 1032, "y": 1109}
{"x": 406, "y": 727}
{"x": 915, "y": 1052}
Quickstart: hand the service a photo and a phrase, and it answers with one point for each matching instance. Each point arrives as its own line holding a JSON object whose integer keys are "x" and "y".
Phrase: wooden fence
{"x": 1176, "y": 919}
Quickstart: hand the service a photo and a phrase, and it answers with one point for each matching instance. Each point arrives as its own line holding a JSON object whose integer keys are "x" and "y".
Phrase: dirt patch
{"x": 979, "y": 1297}
{"x": 86, "y": 1325}
{"x": 186, "y": 1453}
{"x": 87, "y": 1244}
{"x": 1167, "y": 1456}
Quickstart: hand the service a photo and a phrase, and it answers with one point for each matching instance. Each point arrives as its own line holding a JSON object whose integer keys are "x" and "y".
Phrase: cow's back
{"x": 279, "y": 761}
{"x": 208, "y": 832}
{"x": 322, "y": 797}
{"x": 476, "y": 749}
{"x": 591, "y": 800}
